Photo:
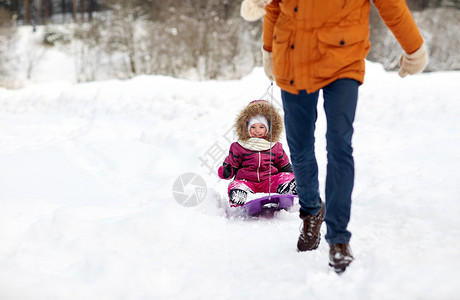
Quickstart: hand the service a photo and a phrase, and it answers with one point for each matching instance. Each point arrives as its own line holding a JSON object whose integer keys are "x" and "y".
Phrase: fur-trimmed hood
{"x": 259, "y": 107}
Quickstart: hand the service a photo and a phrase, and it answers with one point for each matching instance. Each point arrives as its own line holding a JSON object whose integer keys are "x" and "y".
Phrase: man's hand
{"x": 411, "y": 64}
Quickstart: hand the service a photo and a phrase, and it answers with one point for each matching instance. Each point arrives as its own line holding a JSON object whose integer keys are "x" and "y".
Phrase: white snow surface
{"x": 87, "y": 208}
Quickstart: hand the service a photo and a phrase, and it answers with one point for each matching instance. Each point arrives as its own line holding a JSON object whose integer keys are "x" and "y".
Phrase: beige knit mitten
{"x": 267, "y": 58}
{"x": 253, "y": 10}
{"x": 411, "y": 64}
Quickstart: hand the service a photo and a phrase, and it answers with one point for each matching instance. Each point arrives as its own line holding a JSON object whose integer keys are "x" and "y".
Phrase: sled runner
{"x": 270, "y": 202}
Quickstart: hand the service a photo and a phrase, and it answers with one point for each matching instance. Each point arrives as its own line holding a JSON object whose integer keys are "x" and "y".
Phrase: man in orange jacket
{"x": 321, "y": 45}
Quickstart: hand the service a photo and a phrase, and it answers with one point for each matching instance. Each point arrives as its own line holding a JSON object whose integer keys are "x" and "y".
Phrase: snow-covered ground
{"x": 87, "y": 209}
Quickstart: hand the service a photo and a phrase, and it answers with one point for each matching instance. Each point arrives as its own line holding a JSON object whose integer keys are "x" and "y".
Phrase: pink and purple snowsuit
{"x": 252, "y": 169}
{"x": 249, "y": 161}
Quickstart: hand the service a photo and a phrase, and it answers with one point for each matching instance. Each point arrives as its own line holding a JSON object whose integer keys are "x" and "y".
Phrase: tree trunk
{"x": 63, "y": 10}
{"x": 90, "y": 10}
{"x": 46, "y": 6}
{"x": 39, "y": 12}
{"x": 82, "y": 10}
{"x": 74, "y": 10}
{"x": 26, "y": 11}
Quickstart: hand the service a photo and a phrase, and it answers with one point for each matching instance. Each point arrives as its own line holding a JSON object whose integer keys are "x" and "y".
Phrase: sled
{"x": 270, "y": 202}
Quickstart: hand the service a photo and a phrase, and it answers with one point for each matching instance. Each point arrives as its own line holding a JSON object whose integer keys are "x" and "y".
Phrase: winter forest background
{"x": 91, "y": 149}
{"x": 193, "y": 39}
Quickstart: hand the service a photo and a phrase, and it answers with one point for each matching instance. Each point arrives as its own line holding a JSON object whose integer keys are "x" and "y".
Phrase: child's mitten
{"x": 225, "y": 171}
{"x": 252, "y": 10}
{"x": 411, "y": 64}
{"x": 267, "y": 58}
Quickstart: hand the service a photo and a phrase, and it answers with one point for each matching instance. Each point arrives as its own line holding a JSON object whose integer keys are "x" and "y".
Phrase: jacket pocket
{"x": 281, "y": 53}
{"x": 339, "y": 49}
{"x": 341, "y": 37}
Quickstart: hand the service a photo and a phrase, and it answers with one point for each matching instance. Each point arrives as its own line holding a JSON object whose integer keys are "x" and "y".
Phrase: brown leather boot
{"x": 340, "y": 257}
{"x": 310, "y": 234}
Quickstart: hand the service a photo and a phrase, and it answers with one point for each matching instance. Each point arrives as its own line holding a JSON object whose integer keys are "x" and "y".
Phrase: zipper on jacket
{"x": 258, "y": 168}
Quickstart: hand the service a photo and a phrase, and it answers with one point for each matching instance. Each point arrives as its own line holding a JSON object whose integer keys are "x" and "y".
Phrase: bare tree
{"x": 123, "y": 30}
{"x": 47, "y": 10}
{"x": 32, "y": 57}
{"x": 27, "y": 11}
{"x": 82, "y": 10}
{"x": 39, "y": 15}
{"x": 74, "y": 10}
{"x": 90, "y": 9}
{"x": 87, "y": 50}
{"x": 7, "y": 41}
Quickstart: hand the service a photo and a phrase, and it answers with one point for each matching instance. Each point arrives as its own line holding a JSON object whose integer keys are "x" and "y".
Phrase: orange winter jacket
{"x": 315, "y": 42}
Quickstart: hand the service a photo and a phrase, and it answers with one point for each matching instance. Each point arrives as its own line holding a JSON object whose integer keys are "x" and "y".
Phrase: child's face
{"x": 258, "y": 130}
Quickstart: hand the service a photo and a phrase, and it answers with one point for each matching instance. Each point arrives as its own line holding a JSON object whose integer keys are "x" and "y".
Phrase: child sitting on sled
{"x": 257, "y": 156}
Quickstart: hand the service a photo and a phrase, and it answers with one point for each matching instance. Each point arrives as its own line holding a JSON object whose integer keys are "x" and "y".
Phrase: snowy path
{"x": 87, "y": 210}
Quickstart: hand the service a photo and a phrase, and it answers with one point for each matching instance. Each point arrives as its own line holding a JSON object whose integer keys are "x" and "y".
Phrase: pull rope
{"x": 271, "y": 141}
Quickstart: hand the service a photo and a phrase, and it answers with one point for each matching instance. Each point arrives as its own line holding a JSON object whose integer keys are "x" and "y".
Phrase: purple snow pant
{"x": 260, "y": 187}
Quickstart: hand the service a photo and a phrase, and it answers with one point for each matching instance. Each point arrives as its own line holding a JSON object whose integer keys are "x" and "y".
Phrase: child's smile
{"x": 258, "y": 130}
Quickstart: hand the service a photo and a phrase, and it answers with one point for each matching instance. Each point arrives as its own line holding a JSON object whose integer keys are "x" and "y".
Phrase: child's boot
{"x": 287, "y": 188}
{"x": 237, "y": 197}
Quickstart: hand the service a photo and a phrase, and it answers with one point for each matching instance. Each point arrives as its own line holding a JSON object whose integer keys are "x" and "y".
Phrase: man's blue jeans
{"x": 300, "y": 114}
